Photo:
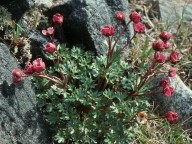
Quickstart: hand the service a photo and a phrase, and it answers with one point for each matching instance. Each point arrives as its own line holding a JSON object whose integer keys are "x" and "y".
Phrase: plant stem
{"x": 50, "y": 78}
{"x": 122, "y": 31}
{"x": 109, "y": 53}
{"x": 129, "y": 41}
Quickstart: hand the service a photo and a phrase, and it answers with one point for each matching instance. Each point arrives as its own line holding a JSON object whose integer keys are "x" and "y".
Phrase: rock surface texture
{"x": 172, "y": 11}
{"x": 17, "y": 7}
{"x": 180, "y": 101}
{"x": 19, "y": 121}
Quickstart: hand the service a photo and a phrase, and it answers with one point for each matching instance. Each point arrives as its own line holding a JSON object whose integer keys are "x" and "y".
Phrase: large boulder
{"x": 180, "y": 101}
{"x": 19, "y": 120}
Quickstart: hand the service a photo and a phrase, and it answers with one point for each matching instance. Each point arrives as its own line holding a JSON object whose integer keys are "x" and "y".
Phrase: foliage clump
{"x": 85, "y": 111}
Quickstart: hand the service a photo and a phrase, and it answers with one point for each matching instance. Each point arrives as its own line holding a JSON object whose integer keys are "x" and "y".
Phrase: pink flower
{"x": 160, "y": 58}
{"x": 107, "y": 30}
{"x": 139, "y": 27}
{"x": 38, "y": 65}
{"x": 174, "y": 56}
{"x": 164, "y": 82}
{"x": 16, "y": 75}
{"x": 50, "y": 47}
{"x": 172, "y": 116}
{"x": 135, "y": 17}
{"x": 172, "y": 72}
{"x": 120, "y": 15}
{"x": 167, "y": 45}
{"x": 168, "y": 90}
{"x": 165, "y": 36}
{"x": 49, "y": 32}
{"x": 57, "y": 19}
{"x": 28, "y": 69}
{"x": 158, "y": 45}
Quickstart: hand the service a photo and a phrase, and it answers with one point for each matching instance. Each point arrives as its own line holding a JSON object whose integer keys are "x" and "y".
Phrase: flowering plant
{"x": 96, "y": 99}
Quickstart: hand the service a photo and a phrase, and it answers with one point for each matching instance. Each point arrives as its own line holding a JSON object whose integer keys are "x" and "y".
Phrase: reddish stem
{"x": 109, "y": 53}
{"x": 118, "y": 37}
{"x": 129, "y": 41}
{"x": 50, "y": 78}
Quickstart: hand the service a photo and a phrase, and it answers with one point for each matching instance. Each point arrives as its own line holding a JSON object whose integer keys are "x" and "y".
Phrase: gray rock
{"x": 17, "y": 7}
{"x": 83, "y": 20}
{"x": 19, "y": 120}
{"x": 37, "y": 43}
{"x": 172, "y": 11}
{"x": 180, "y": 101}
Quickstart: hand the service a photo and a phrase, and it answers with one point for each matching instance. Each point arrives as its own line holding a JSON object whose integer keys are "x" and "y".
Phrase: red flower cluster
{"x": 174, "y": 56}
{"x": 165, "y": 36}
{"x": 160, "y": 58}
{"x": 120, "y": 16}
{"x": 137, "y": 26}
{"x": 172, "y": 116}
{"x": 159, "y": 46}
{"x": 57, "y": 19}
{"x": 164, "y": 82}
{"x": 167, "y": 89}
{"x": 16, "y": 75}
{"x": 107, "y": 30}
{"x": 37, "y": 66}
{"x": 163, "y": 43}
{"x": 49, "y": 32}
{"x": 50, "y": 47}
{"x": 135, "y": 17}
{"x": 172, "y": 72}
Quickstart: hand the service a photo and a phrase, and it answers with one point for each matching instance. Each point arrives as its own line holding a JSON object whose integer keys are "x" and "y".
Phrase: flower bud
{"x": 174, "y": 56}
{"x": 160, "y": 58}
{"x": 172, "y": 72}
{"x": 49, "y": 32}
{"x": 172, "y": 116}
{"x": 139, "y": 27}
{"x": 38, "y": 65}
{"x": 165, "y": 36}
{"x": 167, "y": 45}
{"x": 135, "y": 17}
{"x": 107, "y": 30}
{"x": 164, "y": 82}
{"x": 120, "y": 15}
{"x": 28, "y": 69}
{"x": 16, "y": 75}
{"x": 158, "y": 45}
{"x": 168, "y": 90}
{"x": 57, "y": 19}
{"x": 50, "y": 47}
